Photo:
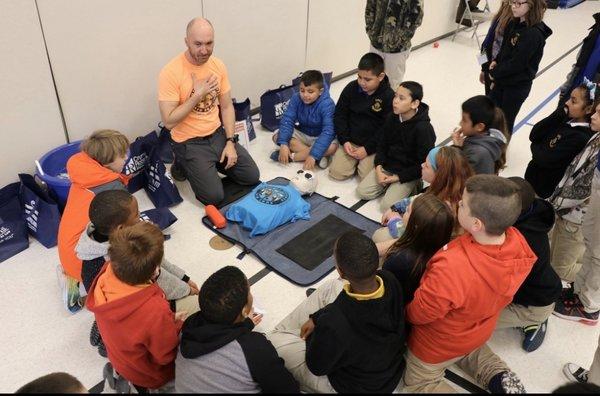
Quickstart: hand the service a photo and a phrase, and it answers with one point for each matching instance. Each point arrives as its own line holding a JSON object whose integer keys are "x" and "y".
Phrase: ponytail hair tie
{"x": 591, "y": 87}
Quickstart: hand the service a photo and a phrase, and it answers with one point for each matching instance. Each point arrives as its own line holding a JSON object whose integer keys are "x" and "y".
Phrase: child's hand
{"x": 360, "y": 153}
{"x": 348, "y": 149}
{"x": 380, "y": 175}
{"x": 388, "y": 215}
{"x": 256, "y": 318}
{"x": 457, "y": 137}
{"x": 193, "y": 288}
{"x": 284, "y": 154}
{"x": 307, "y": 329}
{"x": 309, "y": 163}
{"x": 492, "y": 65}
{"x": 389, "y": 179}
{"x": 180, "y": 316}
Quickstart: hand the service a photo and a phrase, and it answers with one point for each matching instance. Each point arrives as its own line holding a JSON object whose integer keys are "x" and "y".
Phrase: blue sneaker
{"x": 275, "y": 156}
{"x": 534, "y": 336}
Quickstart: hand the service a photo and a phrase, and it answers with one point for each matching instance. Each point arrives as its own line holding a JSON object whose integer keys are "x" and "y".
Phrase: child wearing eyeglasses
{"x": 515, "y": 67}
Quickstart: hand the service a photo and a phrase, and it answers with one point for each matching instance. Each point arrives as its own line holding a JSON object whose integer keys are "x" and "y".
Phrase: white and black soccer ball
{"x": 305, "y": 182}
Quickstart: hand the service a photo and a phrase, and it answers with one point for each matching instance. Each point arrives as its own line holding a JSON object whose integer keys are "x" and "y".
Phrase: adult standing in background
{"x": 391, "y": 24}
{"x": 461, "y": 10}
{"x": 192, "y": 89}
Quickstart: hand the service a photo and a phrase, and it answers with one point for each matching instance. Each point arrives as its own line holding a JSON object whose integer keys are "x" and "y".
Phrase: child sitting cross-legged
{"x": 463, "y": 290}
{"x": 219, "y": 352}
{"x": 347, "y": 336}
{"x": 140, "y": 331}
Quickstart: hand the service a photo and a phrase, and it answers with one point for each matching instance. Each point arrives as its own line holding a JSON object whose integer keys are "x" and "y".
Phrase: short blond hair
{"x": 105, "y": 145}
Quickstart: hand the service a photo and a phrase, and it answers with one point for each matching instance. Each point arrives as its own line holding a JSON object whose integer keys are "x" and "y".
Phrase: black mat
{"x": 233, "y": 191}
{"x": 315, "y": 245}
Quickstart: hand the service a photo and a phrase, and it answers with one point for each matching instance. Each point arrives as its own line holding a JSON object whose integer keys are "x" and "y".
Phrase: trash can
{"x": 52, "y": 169}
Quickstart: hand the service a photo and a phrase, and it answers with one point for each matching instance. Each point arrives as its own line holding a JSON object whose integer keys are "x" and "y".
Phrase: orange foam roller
{"x": 215, "y": 216}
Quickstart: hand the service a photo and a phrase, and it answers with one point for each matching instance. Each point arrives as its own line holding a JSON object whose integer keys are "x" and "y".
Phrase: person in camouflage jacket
{"x": 390, "y": 25}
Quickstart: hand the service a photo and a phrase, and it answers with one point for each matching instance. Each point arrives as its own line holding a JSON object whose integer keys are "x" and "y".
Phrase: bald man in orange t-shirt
{"x": 191, "y": 88}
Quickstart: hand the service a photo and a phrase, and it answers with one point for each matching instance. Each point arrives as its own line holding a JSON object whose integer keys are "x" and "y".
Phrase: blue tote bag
{"x": 13, "y": 229}
{"x": 161, "y": 217}
{"x": 139, "y": 155}
{"x": 273, "y": 104}
{"x": 242, "y": 114}
{"x": 159, "y": 185}
{"x": 40, "y": 211}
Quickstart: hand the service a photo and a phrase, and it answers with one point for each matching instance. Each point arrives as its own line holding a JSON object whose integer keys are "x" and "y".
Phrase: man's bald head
{"x": 200, "y": 40}
{"x": 198, "y": 23}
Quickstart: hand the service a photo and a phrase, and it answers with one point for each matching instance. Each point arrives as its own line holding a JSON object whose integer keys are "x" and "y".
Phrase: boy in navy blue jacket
{"x": 306, "y": 131}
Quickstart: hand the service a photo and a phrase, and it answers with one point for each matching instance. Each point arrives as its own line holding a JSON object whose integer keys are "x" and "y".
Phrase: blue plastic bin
{"x": 54, "y": 166}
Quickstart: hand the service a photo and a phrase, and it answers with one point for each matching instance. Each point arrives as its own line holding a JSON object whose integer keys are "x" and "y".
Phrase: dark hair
{"x": 578, "y": 387}
{"x": 482, "y": 109}
{"x": 109, "y": 209}
{"x": 356, "y": 255}
{"x": 223, "y": 295}
{"x": 415, "y": 89}
{"x": 588, "y": 100}
{"x": 372, "y": 62}
{"x": 526, "y": 192}
{"x": 537, "y": 8}
{"x": 135, "y": 252}
{"x": 311, "y": 77}
{"x": 429, "y": 228}
{"x": 495, "y": 201}
{"x": 53, "y": 383}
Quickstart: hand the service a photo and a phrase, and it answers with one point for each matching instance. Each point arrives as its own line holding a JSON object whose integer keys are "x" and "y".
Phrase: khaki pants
{"x": 515, "y": 315}
{"x": 285, "y": 337}
{"x": 420, "y": 377}
{"x": 187, "y": 304}
{"x": 343, "y": 166}
{"x": 587, "y": 281}
{"x": 369, "y": 189}
{"x": 395, "y": 65}
{"x": 566, "y": 248}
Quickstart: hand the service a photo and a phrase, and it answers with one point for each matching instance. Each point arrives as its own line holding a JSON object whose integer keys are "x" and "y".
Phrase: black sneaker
{"x": 534, "y": 336}
{"x": 177, "y": 172}
{"x": 102, "y": 349}
{"x": 506, "y": 382}
{"x": 573, "y": 309}
{"x": 95, "y": 338}
{"x": 575, "y": 373}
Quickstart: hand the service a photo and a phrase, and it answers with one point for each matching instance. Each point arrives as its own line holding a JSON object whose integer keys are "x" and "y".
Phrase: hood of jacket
{"x": 86, "y": 172}
{"x": 538, "y": 218}
{"x": 89, "y": 249}
{"x": 492, "y": 141}
{"x": 505, "y": 268}
{"x": 543, "y": 29}
{"x": 422, "y": 115}
{"x": 200, "y": 337}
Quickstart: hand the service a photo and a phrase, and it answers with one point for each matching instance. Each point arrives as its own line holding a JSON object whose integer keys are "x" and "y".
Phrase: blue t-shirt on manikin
{"x": 267, "y": 207}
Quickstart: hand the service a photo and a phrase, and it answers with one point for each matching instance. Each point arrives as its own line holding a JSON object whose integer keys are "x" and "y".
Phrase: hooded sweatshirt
{"x": 465, "y": 286}
{"x": 137, "y": 327}
{"x": 172, "y": 279}
{"x": 483, "y": 150}
{"x": 228, "y": 358}
{"x": 554, "y": 143}
{"x": 315, "y": 119}
{"x": 542, "y": 286}
{"x": 404, "y": 145}
{"x": 359, "y": 116}
{"x": 88, "y": 178}
{"x": 520, "y": 55}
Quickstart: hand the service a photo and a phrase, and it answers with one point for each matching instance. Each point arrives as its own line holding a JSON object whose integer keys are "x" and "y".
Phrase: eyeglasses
{"x": 516, "y": 3}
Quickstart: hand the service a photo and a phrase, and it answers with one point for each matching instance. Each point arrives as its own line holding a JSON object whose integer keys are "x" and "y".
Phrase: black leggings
{"x": 510, "y": 100}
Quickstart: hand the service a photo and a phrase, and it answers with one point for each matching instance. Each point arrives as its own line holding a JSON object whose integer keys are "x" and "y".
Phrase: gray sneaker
{"x": 575, "y": 373}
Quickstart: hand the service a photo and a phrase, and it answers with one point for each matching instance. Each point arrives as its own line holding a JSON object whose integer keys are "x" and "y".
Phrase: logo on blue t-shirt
{"x": 271, "y": 195}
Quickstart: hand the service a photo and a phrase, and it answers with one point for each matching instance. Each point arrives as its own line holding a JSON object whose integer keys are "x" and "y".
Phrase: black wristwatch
{"x": 234, "y": 139}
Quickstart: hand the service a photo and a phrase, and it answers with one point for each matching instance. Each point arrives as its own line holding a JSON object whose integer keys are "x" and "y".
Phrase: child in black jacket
{"x": 403, "y": 146}
{"x": 534, "y": 301}
{"x": 514, "y": 69}
{"x": 557, "y": 139}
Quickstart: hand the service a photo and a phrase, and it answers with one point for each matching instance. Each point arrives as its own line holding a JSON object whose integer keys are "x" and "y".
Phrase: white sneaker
{"x": 575, "y": 373}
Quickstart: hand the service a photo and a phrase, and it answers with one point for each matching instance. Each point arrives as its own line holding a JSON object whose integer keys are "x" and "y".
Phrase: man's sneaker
{"x": 506, "y": 382}
{"x": 177, "y": 172}
{"x": 69, "y": 291}
{"x": 575, "y": 373}
{"x": 324, "y": 162}
{"x": 275, "y": 156}
{"x": 534, "y": 336}
{"x": 572, "y": 309}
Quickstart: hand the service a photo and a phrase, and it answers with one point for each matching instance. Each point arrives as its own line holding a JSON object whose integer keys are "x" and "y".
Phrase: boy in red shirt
{"x": 463, "y": 290}
{"x": 139, "y": 330}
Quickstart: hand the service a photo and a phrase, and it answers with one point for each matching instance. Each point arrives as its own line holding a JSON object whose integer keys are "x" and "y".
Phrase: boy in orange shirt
{"x": 463, "y": 290}
{"x": 96, "y": 168}
{"x": 139, "y": 330}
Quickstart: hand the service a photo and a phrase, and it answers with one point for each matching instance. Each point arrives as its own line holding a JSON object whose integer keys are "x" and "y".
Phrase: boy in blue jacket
{"x": 306, "y": 131}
